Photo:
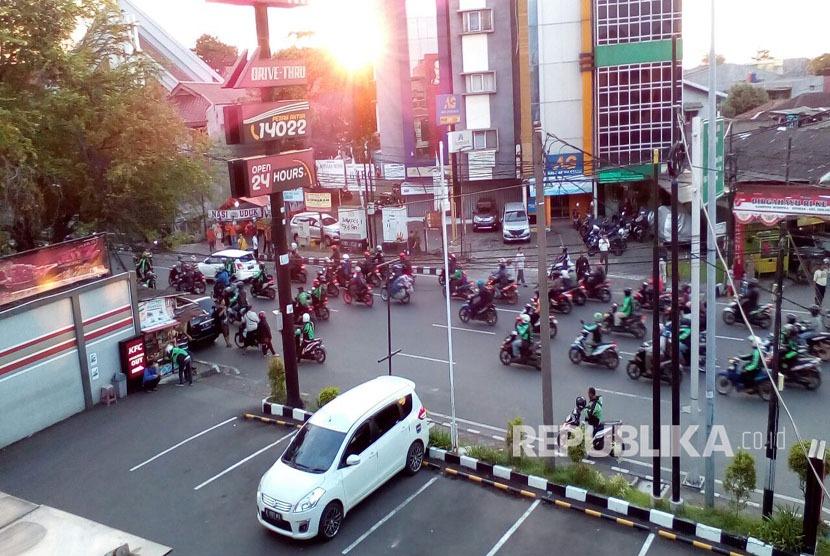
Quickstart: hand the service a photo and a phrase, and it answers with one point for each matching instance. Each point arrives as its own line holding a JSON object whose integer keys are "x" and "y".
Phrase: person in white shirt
{"x": 255, "y": 244}
{"x": 604, "y": 246}
{"x": 251, "y": 320}
{"x": 820, "y": 278}
{"x": 520, "y": 267}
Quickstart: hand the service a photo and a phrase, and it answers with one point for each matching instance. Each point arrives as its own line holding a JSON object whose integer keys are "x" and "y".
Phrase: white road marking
{"x": 465, "y": 329}
{"x": 237, "y": 464}
{"x": 504, "y": 538}
{"x": 444, "y": 361}
{"x": 185, "y": 441}
{"x": 626, "y": 353}
{"x": 468, "y": 422}
{"x": 388, "y": 516}
{"x": 730, "y": 338}
{"x": 627, "y": 395}
{"x": 647, "y": 544}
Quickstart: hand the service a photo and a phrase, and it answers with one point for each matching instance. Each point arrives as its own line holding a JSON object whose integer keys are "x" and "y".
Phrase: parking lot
{"x": 181, "y": 467}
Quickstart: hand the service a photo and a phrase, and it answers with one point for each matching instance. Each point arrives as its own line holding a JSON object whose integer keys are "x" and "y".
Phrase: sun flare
{"x": 351, "y": 30}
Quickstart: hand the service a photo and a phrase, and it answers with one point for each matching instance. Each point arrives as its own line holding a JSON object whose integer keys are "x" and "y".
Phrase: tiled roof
{"x": 761, "y": 155}
{"x": 808, "y": 100}
{"x": 213, "y": 93}
{"x": 192, "y": 109}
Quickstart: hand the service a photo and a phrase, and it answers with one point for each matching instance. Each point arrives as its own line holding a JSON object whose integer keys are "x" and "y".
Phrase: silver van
{"x": 515, "y": 225}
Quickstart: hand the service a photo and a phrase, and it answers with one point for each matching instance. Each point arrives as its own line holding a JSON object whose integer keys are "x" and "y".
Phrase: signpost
{"x": 263, "y": 175}
{"x": 266, "y": 121}
{"x": 262, "y": 71}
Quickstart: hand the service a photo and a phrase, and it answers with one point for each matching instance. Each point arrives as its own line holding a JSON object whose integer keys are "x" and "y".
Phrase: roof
{"x": 699, "y": 87}
{"x": 761, "y": 155}
{"x": 192, "y": 109}
{"x": 211, "y": 92}
{"x": 807, "y": 100}
{"x": 233, "y": 253}
{"x": 342, "y": 412}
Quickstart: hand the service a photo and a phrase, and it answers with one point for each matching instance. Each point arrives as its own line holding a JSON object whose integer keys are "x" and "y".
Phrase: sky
{"x": 795, "y": 28}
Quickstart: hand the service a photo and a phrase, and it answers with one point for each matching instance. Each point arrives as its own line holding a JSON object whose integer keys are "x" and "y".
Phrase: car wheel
{"x": 414, "y": 458}
{"x": 330, "y": 521}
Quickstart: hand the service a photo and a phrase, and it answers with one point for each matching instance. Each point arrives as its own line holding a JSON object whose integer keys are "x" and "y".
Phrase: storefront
{"x": 159, "y": 327}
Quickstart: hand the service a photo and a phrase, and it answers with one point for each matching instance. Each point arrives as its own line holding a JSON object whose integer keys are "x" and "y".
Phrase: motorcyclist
{"x": 456, "y": 278}
{"x": 357, "y": 285}
{"x": 406, "y": 267}
{"x": 790, "y": 341}
{"x": 595, "y": 279}
{"x": 812, "y": 325}
{"x": 564, "y": 260}
{"x": 251, "y": 321}
{"x": 318, "y": 294}
{"x": 377, "y": 256}
{"x": 593, "y": 411}
{"x": 143, "y": 265}
{"x": 304, "y": 333}
{"x": 229, "y": 267}
{"x": 368, "y": 264}
{"x": 335, "y": 255}
{"x": 238, "y": 301}
{"x": 260, "y": 278}
{"x": 220, "y": 281}
{"x": 303, "y": 301}
{"x": 749, "y": 301}
{"x": 346, "y": 268}
{"x": 583, "y": 267}
{"x": 626, "y": 309}
{"x": 453, "y": 264}
{"x": 567, "y": 283}
{"x": 753, "y": 367}
{"x": 524, "y": 336}
{"x": 596, "y": 333}
{"x": 397, "y": 284}
{"x": 502, "y": 275}
{"x": 482, "y": 298}
{"x": 294, "y": 260}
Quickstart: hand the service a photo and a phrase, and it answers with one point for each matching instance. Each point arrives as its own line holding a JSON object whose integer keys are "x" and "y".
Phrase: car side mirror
{"x": 352, "y": 460}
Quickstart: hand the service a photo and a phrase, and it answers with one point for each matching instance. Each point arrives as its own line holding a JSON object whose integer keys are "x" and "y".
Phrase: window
{"x": 478, "y": 21}
{"x": 361, "y": 440}
{"x": 313, "y": 449}
{"x": 387, "y": 418}
{"x": 481, "y": 82}
{"x": 485, "y": 139}
{"x": 328, "y": 221}
{"x": 405, "y": 404}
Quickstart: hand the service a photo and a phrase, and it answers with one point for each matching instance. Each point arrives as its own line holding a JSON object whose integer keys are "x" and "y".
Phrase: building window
{"x": 626, "y": 21}
{"x": 477, "y": 21}
{"x": 484, "y": 82}
{"x": 485, "y": 139}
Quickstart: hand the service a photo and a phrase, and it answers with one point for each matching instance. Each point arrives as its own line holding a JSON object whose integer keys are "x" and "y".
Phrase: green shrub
{"x": 797, "y": 461}
{"x": 823, "y": 547}
{"x": 276, "y": 377}
{"x": 177, "y": 238}
{"x": 486, "y": 453}
{"x": 576, "y": 452}
{"x": 516, "y": 421}
{"x": 326, "y": 395}
{"x": 782, "y": 529}
{"x": 440, "y": 438}
{"x": 617, "y": 486}
{"x": 739, "y": 480}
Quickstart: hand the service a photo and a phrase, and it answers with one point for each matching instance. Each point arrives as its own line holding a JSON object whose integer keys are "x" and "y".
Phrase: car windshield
{"x": 516, "y": 216}
{"x": 328, "y": 221}
{"x": 313, "y": 449}
{"x": 206, "y": 304}
{"x": 246, "y": 258}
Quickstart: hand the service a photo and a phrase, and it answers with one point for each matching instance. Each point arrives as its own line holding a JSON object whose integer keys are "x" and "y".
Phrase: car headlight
{"x": 309, "y": 500}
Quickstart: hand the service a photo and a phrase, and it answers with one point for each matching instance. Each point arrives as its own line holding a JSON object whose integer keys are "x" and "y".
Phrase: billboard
{"x": 33, "y": 273}
{"x": 256, "y": 176}
{"x": 266, "y": 121}
{"x": 268, "y": 72}
{"x": 448, "y": 109}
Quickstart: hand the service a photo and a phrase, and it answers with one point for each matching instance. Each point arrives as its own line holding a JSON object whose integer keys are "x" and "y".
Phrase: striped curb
{"x": 669, "y": 526}
{"x": 279, "y": 410}
{"x": 269, "y": 421}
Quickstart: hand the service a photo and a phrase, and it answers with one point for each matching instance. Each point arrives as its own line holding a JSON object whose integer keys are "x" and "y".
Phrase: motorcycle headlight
{"x": 309, "y": 500}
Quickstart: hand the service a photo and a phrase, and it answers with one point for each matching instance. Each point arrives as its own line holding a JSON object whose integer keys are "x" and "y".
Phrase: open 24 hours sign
{"x": 256, "y": 176}
{"x": 266, "y": 121}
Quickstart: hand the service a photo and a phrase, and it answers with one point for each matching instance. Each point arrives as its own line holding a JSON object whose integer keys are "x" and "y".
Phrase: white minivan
{"x": 345, "y": 451}
{"x": 515, "y": 225}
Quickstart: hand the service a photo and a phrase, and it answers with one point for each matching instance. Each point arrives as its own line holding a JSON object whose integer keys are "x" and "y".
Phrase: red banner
{"x": 32, "y": 273}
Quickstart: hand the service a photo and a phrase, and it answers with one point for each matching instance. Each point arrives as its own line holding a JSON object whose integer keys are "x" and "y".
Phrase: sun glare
{"x": 351, "y": 30}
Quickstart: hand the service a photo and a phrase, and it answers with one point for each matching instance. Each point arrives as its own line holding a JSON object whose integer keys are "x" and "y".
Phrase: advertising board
{"x": 262, "y": 175}
{"x": 266, "y": 121}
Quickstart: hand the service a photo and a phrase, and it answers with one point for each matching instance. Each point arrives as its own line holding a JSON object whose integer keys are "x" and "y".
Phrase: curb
{"x": 669, "y": 526}
{"x": 279, "y": 410}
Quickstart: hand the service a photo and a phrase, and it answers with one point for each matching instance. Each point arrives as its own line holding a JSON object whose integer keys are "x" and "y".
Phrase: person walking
{"x": 217, "y": 232}
{"x": 232, "y": 235}
{"x": 264, "y": 332}
{"x": 211, "y": 239}
{"x": 604, "y": 246}
{"x": 220, "y": 318}
{"x": 255, "y": 244}
{"x": 820, "y": 278}
{"x": 520, "y": 267}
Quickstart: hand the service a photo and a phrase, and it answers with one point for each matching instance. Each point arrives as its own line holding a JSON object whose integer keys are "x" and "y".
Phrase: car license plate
{"x": 273, "y": 515}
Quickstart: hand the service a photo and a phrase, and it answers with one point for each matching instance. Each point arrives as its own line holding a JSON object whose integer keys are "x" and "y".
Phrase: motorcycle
{"x": 149, "y": 280}
{"x": 241, "y": 341}
{"x": 321, "y": 310}
{"x": 605, "y": 431}
{"x": 819, "y": 344}
{"x": 644, "y": 298}
{"x": 462, "y": 291}
{"x": 508, "y": 293}
{"x": 604, "y": 354}
{"x": 536, "y": 322}
{"x": 560, "y": 302}
{"x": 600, "y": 292}
{"x": 640, "y": 227}
{"x": 367, "y": 298}
{"x": 331, "y": 286}
{"x": 533, "y": 358}
{"x": 640, "y": 365}
{"x": 313, "y": 350}
{"x": 298, "y": 274}
{"x": 264, "y": 288}
{"x": 634, "y": 324}
{"x": 761, "y": 316}
{"x": 404, "y": 294}
{"x": 731, "y": 379}
{"x": 488, "y": 315}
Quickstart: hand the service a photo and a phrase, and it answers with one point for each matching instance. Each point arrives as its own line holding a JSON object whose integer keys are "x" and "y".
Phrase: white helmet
{"x": 346, "y": 257}
{"x": 378, "y": 248}
{"x": 525, "y": 318}
{"x": 169, "y": 349}
{"x": 306, "y": 318}
{"x": 564, "y": 273}
{"x": 293, "y": 245}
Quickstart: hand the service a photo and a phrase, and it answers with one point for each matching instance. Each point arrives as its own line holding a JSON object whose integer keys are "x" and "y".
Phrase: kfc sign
{"x": 133, "y": 359}
{"x": 262, "y": 175}
{"x": 266, "y": 121}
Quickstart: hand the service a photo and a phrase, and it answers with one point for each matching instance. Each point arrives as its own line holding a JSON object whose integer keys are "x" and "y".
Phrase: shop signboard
{"x": 394, "y": 224}
{"x": 293, "y": 195}
{"x": 352, "y": 228}
{"x": 331, "y": 174}
{"x": 229, "y": 215}
{"x": 700, "y": 156}
{"x": 133, "y": 358}
{"x": 318, "y": 200}
{"x": 262, "y": 175}
{"x": 265, "y": 72}
{"x": 266, "y": 121}
{"x": 394, "y": 171}
{"x": 448, "y": 109}
{"x": 409, "y": 188}
{"x": 156, "y": 313}
{"x": 33, "y": 273}
{"x": 772, "y": 206}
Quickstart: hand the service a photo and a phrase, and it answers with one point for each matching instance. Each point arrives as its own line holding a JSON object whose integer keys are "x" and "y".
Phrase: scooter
{"x": 731, "y": 379}
{"x": 819, "y": 344}
{"x": 298, "y": 274}
{"x": 644, "y": 298}
{"x": 367, "y": 299}
{"x": 531, "y": 359}
{"x": 604, "y": 354}
{"x": 761, "y": 317}
{"x": 264, "y": 288}
{"x": 508, "y": 293}
{"x": 561, "y": 302}
{"x": 462, "y": 291}
{"x": 313, "y": 350}
{"x": 321, "y": 310}
{"x": 331, "y": 286}
{"x": 404, "y": 294}
{"x": 634, "y": 324}
{"x": 600, "y": 292}
{"x": 536, "y": 322}
{"x": 241, "y": 341}
{"x": 149, "y": 280}
{"x": 606, "y": 431}
{"x": 640, "y": 366}
{"x": 488, "y": 315}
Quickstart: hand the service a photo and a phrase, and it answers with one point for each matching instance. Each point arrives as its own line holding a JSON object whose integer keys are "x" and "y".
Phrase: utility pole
{"x": 542, "y": 269}
{"x": 675, "y": 313}
{"x": 278, "y": 222}
{"x": 711, "y": 260}
{"x": 655, "y": 331}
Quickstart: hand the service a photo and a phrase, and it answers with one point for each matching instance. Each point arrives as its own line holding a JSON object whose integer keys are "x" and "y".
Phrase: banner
{"x": 394, "y": 224}
{"x": 156, "y": 313}
{"x": 33, "y": 273}
{"x": 771, "y": 207}
{"x": 229, "y": 215}
{"x": 318, "y": 200}
{"x": 331, "y": 174}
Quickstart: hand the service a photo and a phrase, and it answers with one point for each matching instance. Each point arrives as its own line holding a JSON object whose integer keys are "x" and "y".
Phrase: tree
{"x": 719, "y": 59}
{"x": 739, "y": 480}
{"x": 819, "y": 65}
{"x": 215, "y": 53}
{"x": 87, "y": 139}
{"x": 798, "y": 463}
{"x": 742, "y": 98}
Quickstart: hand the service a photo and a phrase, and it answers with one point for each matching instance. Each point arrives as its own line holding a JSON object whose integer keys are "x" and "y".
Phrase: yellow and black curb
{"x": 269, "y": 421}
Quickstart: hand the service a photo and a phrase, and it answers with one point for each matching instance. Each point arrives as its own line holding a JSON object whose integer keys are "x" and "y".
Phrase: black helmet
{"x": 815, "y": 310}
{"x": 791, "y": 318}
{"x": 753, "y": 283}
{"x": 580, "y": 403}
{"x": 627, "y": 291}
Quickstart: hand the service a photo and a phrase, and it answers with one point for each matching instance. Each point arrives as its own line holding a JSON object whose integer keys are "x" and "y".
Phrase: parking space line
{"x": 389, "y": 516}
{"x": 513, "y": 528}
{"x": 465, "y": 329}
{"x": 647, "y": 544}
{"x": 185, "y": 441}
{"x": 237, "y": 464}
{"x": 444, "y": 361}
{"x": 730, "y": 338}
{"x": 627, "y": 395}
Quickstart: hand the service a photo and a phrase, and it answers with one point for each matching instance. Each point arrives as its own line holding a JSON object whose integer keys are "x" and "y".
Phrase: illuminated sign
{"x": 262, "y": 175}
{"x": 266, "y": 121}
{"x": 133, "y": 359}
{"x": 269, "y": 72}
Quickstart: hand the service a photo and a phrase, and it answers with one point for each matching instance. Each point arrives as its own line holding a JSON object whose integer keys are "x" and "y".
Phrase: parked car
{"x": 321, "y": 226}
{"x": 197, "y": 317}
{"x": 349, "y": 448}
{"x": 515, "y": 225}
{"x": 244, "y": 261}
{"x": 486, "y": 215}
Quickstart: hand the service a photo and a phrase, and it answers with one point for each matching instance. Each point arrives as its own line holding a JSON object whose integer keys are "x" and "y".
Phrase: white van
{"x": 515, "y": 225}
{"x": 348, "y": 448}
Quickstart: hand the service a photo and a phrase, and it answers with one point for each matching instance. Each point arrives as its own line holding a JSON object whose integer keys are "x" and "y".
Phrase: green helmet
{"x": 597, "y": 316}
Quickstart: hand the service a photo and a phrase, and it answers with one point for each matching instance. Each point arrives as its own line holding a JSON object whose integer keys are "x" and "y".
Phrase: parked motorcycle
{"x": 604, "y": 354}
{"x": 367, "y": 299}
{"x": 488, "y": 315}
{"x": 634, "y": 324}
{"x": 605, "y": 432}
{"x": 532, "y": 358}
{"x": 264, "y": 288}
{"x": 761, "y": 316}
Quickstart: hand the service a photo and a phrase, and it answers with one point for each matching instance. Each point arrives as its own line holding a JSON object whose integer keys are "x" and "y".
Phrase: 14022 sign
{"x": 262, "y": 175}
{"x": 266, "y": 121}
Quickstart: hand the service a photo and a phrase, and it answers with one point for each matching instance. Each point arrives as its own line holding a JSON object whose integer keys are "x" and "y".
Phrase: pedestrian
{"x": 264, "y": 333}
{"x": 217, "y": 232}
{"x": 604, "y": 247}
{"x": 181, "y": 361}
{"x": 232, "y": 234}
{"x": 410, "y": 243}
{"x": 243, "y": 245}
{"x": 520, "y": 267}
{"x": 211, "y": 239}
{"x": 220, "y": 319}
{"x": 151, "y": 378}
{"x": 268, "y": 244}
{"x": 820, "y": 278}
{"x": 663, "y": 267}
{"x": 255, "y": 244}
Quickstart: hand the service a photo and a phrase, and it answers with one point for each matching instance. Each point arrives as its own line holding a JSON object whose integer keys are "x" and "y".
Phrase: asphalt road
{"x": 487, "y": 393}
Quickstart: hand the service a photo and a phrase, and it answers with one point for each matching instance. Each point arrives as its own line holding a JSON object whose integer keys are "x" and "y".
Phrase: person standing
{"x": 255, "y": 244}
{"x": 604, "y": 246}
{"x": 217, "y": 232}
{"x": 268, "y": 244}
{"x": 232, "y": 235}
{"x": 211, "y": 239}
{"x": 820, "y": 278}
{"x": 243, "y": 245}
{"x": 264, "y": 332}
{"x": 220, "y": 318}
{"x": 520, "y": 267}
